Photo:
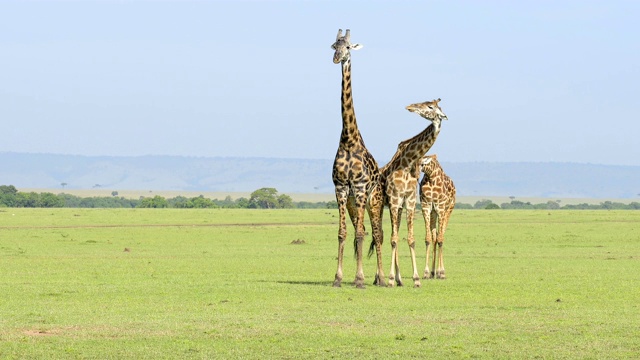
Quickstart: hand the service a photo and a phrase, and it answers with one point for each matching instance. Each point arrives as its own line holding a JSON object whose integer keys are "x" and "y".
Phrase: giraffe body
{"x": 356, "y": 175}
{"x": 437, "y": 197}
{"x": 400, "y": 177}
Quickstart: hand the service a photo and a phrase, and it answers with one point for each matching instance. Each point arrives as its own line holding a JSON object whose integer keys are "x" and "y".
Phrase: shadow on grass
{"x": 314, "y": 283}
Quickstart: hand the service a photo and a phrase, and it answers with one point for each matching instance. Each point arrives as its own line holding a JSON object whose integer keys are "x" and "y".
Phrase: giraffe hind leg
{"x": 375, "y": 210}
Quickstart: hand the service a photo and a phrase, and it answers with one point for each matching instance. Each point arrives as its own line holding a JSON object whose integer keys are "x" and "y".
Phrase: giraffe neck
{"x": 419, "y": 145}
{"x": 350, "y": 134}
{"x": 435, "y": 171}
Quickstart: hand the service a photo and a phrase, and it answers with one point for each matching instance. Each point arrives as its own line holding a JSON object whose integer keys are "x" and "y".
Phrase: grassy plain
{"x": 203, "y": 284}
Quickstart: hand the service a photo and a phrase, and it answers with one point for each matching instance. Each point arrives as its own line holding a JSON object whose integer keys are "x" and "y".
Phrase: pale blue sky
{"x": 519, "y": 80}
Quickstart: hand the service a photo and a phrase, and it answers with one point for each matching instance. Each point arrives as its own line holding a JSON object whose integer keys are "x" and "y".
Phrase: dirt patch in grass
{"x": 38, "y": 333}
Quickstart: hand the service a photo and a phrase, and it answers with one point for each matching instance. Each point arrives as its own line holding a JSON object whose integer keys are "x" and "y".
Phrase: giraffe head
{"x": 428, "y": 164}
{"x": 429, "y": 110}
{"x": 342, "y": 46}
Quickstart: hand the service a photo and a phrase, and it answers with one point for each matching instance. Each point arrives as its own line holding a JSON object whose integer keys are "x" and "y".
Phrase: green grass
{"x": 216, "y": 283}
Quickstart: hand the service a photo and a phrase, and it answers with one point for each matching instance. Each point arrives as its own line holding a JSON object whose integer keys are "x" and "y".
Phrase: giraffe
{"x": 356, "y": 175}
{"x": 437, "y": 197}
{"x": 400, "y": 178}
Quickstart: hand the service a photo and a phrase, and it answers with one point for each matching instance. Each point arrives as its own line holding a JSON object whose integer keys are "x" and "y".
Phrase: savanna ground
{"x": 202, "y": 284}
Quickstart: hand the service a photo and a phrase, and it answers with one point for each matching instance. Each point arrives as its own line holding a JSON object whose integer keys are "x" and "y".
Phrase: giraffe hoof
{"x": 379, "y": 282}
{"x": 417, "y": 284}
{"x": 337, "y": 283}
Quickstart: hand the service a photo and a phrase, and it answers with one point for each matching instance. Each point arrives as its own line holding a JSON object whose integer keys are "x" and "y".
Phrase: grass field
{"x": 204, "y": 284}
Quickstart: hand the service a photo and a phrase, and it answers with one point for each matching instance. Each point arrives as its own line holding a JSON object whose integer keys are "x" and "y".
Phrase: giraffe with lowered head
{"x": 356, "y": 175}
{"x": 437, "y": 198}
{"x": 400, "y": 182}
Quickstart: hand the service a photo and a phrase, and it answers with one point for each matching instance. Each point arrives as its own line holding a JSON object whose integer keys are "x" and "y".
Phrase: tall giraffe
{"x": 400, "y": 178}
{"x": 437, "y": 197}
{"x": 356, "y": 175}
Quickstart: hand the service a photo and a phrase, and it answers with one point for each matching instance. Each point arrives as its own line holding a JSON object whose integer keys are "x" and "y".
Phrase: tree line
{"x": 264, "y": 198}
{"x": 549, "y": 205}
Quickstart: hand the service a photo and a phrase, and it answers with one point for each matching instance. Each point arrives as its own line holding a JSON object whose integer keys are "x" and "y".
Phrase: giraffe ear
{"x": 355, "y": 47}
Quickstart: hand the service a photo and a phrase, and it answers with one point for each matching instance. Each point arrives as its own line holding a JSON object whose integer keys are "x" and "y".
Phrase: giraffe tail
{"x": 372, "y": 247}
{"x": 355, "y": 248}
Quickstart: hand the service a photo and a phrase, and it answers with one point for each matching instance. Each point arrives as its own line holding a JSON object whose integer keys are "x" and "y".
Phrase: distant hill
{"x": 523, "y": 179}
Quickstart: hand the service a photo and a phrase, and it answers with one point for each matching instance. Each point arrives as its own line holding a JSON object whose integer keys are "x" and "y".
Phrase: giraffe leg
{"x": 399, "y": 281}
{"x": 341, "y": 197}
{"x": 393, "y": 211}
{"x": 426, "y": 213}
{"x": 434, "y": 237}
{"x": 360, "y": 202}
{"x": 442, "y": 228}
{"x": 411, "y": 208}
{"x": 375, "y": 215}
{"x": 398, "y": 276}
{"x": 440, "y": 272}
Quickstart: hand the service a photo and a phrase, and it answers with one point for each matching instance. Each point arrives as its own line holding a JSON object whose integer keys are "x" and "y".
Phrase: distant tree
{"x": 285, "y": 202}
{"x": 264, "y": 198}
{"x": 179, "y": 202}
{"x": 492, "y": 206}
{"x": 242, "y": 203}
{"x": 517, "y": 204}
{"x": 114, "y": 193}
{"x": 27, "y": 200}
{"x": 154, "y": 202}
{"x": 8, "y": 189}
{"x": 200, "y": 202}
{"x": 97, "y": 186}
{"x": 512, "y": 197}
{"x": 553, "y": 205}
{"x": 8, "y": 195}
{"x": 482, "y": 204}
{"x": 63, "y": 184}
{"x": 50, "y": 200}
{"x": 333, "y": 204}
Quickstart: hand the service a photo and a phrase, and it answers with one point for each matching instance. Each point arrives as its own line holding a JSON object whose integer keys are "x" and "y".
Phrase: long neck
{"x": 418, "y": 145}
{"x": 434, "y": 171}
{"x": 350, "y": 134}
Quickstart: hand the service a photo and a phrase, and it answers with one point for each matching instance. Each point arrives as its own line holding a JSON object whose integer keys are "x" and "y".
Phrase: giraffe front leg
{"x": 394, "y": 273}
{"x": 411, "y": 206}
{"x": 441, "y": 228}
{"x": 360, "y": 202}
{"x": 440, "y": 273}
{"x": 337, "y": 282}
{"x": 341, "y": 197}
